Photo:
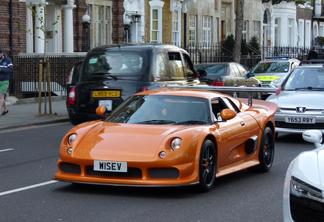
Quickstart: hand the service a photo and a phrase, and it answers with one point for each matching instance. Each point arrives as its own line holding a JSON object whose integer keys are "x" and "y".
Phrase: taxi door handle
{"x": 242, "y": 123}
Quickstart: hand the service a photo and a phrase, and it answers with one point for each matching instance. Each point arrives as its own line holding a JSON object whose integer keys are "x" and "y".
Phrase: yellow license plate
{"x": 106, "y": 93}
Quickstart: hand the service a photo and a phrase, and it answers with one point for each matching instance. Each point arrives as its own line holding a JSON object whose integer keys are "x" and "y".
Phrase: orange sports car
{"x": 170, "y": 137}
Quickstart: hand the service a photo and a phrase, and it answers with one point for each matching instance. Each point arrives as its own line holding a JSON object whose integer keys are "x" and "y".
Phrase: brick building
{"x": 20, "y": 19}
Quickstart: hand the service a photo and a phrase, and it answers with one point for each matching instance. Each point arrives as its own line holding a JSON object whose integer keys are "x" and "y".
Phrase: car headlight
{"x": 176, "y": 143}
{"x": 301, "y": 189}
{"x": 72, "y": 138}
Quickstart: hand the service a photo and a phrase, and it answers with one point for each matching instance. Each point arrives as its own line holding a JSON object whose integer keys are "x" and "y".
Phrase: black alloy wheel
{"x": 266, "y": 153}
{"x": 207, "y": 166}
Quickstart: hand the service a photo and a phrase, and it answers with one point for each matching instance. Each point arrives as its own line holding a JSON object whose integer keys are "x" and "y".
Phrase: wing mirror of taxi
{"x": 227, "y": 114}
{"x": 101, "y": 111}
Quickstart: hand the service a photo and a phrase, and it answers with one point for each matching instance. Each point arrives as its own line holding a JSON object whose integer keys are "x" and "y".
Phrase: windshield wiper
{"x": 106, "y": 74}
{"x": 189, "y": 122}
{"x": 309, "y": 88}
{"x": 157, "y": 121}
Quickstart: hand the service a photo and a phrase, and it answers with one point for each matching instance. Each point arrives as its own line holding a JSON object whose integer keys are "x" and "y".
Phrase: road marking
{"x": 28, "y": 187}
{"x": 6, "y": 150}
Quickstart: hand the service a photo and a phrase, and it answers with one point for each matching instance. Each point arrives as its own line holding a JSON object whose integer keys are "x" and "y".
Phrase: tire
{"x": 266, "y": 150}
{"x": 75, "y": 120}
{"x": 207, "y": 166}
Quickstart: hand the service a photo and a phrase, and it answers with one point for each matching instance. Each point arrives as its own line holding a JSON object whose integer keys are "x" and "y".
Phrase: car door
{"x": 233, "y": 134}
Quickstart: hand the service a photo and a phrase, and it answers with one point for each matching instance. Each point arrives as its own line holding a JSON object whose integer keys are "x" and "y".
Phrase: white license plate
{"x": 110, "y": 166}
{"x": 106, "y": 103}
{"x": 300, "y": 119}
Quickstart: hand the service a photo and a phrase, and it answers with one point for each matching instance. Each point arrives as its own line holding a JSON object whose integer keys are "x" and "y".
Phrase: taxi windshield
{"x": 271, "y": 67}
{"x": 162, "y": 109}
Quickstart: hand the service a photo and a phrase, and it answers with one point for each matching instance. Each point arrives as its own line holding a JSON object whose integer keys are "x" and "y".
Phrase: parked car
{"x": 110, "y": 74}
{"x": 299, "y": 100}
{"x": 272, "y": 71}
{"x": 215, "y": 74}
{"x": 303, "y": 197}
{"x": 170, "y": 137}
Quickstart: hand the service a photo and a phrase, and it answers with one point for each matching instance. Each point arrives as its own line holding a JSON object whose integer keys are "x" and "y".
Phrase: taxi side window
{"x": 235, "y": 71}
{"x": 176, "y": 66}
{"x": 217, "y": 106}
{"x": 187, "y": 63}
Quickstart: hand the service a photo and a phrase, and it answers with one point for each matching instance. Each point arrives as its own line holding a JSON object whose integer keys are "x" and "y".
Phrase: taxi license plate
{"x": 106, "y": 93}
{"x": 110, "y": 166}
{"x": 300, "y": 119}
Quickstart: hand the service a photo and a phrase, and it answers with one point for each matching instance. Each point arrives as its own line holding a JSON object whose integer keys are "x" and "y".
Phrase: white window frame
{"x": 245, "y": 30}
{"x": 290, "y": 29}
{"x": 257, "y": 29}
{"x": 176, "y": 27}
{"x": 207, "y": 30}
{"x": 277, "y": 31}
{"x": 301, "y": 32}
{"x": 156, "y": 5}
{"x": 100, "y": 28}
{"x": 192, "y": 30}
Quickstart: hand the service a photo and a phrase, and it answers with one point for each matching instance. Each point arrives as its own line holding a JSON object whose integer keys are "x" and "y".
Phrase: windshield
{"x": 213, "y": 70}
{"x": 306, "y": 79}
{"x": 158, "y": 109}
{"x": 271, "y": 67}
{"x": 119, "y": 63}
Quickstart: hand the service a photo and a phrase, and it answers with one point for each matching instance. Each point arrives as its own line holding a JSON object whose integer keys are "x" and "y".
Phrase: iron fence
{"x": 26, "y": 73}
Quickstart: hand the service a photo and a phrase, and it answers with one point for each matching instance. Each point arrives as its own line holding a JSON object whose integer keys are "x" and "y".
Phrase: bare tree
{"x": 239, "y": 7}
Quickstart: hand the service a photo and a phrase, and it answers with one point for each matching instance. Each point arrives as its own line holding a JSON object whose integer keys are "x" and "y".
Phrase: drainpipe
{"x": 10, "y": 28}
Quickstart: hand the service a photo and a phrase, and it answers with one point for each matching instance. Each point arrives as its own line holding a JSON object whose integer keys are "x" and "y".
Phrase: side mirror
{"x": 249, "y": 75}
{"x": 202, "y": 73}
{"x": 313, "y": 136}
{"x": 101, "y": 111}
{"x": 227, "y": 114}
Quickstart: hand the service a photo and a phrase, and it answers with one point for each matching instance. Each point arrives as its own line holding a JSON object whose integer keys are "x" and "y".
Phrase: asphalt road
{"x": 28, "y": 192}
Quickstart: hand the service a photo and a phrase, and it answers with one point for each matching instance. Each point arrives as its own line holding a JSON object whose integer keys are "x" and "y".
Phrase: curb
{"x": 35, "y": 124}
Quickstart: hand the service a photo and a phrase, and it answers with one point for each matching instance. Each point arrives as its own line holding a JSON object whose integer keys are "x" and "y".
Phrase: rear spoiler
{"x": 233, "y": 91}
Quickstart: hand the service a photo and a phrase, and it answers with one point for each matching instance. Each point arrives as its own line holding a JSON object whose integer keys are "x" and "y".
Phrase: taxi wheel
{"x": 266, "y": 153}
{"x": 207, "y": 166}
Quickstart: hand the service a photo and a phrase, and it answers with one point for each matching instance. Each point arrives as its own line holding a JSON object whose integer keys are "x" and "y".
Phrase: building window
{"x": 100, "y": 25}
{"x": 155, "y": 25}
{"x": 290, "y": 32}
{"x": 175, "y": 28}
{"x": 301, "y": 33}
{"x": 277, "y": 32}
{"x": 321, "y": 29}
{"x": 207, "y": 32}
{"x": 192, "y": 30}
{"x": 256, "y": 29}
{"x": 245, "y": 30}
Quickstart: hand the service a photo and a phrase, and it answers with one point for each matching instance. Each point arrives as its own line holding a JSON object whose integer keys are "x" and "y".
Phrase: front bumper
{"x": 154, "y": 174}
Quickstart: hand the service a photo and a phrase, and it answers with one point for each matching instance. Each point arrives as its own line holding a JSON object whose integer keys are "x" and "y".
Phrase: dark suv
{"x": 110, "y": 74}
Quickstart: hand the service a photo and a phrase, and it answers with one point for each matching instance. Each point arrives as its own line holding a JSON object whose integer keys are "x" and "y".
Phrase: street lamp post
{"x": 86, "y": 20}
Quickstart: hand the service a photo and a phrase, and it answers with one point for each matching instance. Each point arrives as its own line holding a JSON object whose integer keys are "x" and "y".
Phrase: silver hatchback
{"x": 300, "y": 100}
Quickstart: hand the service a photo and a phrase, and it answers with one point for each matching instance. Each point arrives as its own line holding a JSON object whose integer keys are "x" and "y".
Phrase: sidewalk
{"x": 25, "y": 113}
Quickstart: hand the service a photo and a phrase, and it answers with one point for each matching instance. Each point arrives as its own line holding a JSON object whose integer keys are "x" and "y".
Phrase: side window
{"x": 234, "y": 71}
{"x": 230, "y": 104}
{"x": 217, "y": 106}
{"x": 176, "y": 66}
{"x": 160, "y": 68}
{"x": 187, "y": 63}
{"x": 241, "y": 70}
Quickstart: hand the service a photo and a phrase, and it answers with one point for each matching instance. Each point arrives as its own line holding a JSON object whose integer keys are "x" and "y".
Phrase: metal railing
{"x": 26, "y": 71}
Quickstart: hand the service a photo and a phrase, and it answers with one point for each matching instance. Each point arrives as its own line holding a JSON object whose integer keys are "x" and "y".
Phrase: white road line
{"x": 28, "y": 187}
{"x": 5, "y": 150}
